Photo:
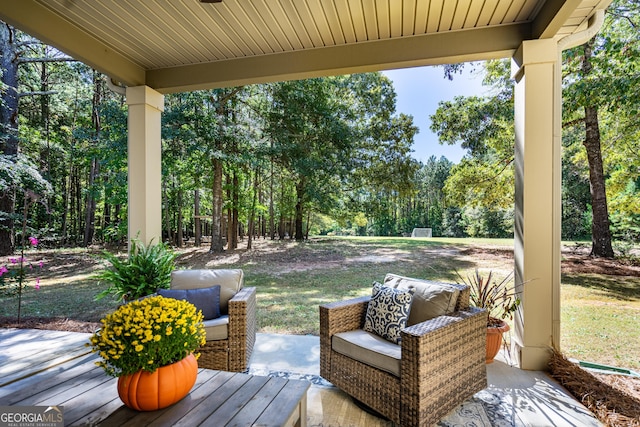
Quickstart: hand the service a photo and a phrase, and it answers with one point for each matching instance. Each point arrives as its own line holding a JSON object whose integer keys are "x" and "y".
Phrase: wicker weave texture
{"x": 443, "y": 363}
{"x": 233, "y": 354}
{"x": 214, "y": 355}
{"x": 242, "y": 329}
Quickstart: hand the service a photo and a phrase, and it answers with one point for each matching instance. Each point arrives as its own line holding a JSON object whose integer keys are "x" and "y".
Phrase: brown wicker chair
{"x": 230, "y": 338}
{"x": 442, "y": 362}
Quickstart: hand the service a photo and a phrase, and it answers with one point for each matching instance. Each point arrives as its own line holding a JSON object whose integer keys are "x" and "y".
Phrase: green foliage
{"x": 497, "y": 297}
{"x": 453, "y": 223}
{"x": 480, "y": 183}
{"x": 610, "y": 83}
{"x": 491, "y": 223}
{"x": 332, "y": 146}
{"x": 18, "y": 173}
{"x": 14, "y": 276}
{"x": 483, "y": 126}
{"x": 146, "y": 269}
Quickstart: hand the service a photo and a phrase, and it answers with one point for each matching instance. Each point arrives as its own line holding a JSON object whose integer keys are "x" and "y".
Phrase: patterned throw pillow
{"x": 388, "y": 311}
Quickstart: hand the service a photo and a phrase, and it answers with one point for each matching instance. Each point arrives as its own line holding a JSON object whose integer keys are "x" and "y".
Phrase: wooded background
{"x": 318, "y": 156}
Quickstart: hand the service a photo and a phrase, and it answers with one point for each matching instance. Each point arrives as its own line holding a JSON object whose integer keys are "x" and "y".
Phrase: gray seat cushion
{"x": 217, "y": 329}
{"x": 430, "y": 299}
{"x": 368, "y": 348}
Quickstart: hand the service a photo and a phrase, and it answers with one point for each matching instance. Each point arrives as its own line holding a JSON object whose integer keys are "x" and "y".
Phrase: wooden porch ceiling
{"x": 177, "y": 45}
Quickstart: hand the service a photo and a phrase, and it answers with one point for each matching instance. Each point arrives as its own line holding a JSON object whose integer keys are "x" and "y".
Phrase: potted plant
{"x": 146, "y": 269}
{"x": 500, "y": 300}
{"x": 149, "y": 345}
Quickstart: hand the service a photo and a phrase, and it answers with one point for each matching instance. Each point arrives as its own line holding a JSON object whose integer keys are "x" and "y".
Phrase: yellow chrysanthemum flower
{"x": 163, "y": 328}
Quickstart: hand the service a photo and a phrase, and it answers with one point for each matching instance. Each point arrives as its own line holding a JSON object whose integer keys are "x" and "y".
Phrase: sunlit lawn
{"x": 601, "y": 319}
{"x": 600, "y": 314}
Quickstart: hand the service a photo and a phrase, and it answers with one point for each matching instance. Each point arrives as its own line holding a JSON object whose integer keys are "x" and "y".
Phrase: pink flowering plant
{"x": 14, "y": 274}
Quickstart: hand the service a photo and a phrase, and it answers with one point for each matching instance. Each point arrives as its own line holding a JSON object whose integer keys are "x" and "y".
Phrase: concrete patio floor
{"x": 526, "y": 398}
{"x": 531, "y": 398}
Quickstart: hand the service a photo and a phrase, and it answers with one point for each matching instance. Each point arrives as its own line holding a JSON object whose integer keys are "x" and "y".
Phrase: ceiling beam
{"x": 432, "y": 49}
{"x": 552, "y": 17}
{"x": 38, "y": 21}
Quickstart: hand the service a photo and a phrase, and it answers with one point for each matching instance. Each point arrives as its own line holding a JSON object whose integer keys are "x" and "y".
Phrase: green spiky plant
{"x": 146, "y": 269}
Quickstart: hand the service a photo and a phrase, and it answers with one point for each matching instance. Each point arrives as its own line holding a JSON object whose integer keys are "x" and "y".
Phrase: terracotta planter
{"x": 494, "y": 340}
{"x": 145, "y": 391}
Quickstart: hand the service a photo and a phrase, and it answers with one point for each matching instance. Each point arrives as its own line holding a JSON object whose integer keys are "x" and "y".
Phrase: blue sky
{"x": 419, "y": 90}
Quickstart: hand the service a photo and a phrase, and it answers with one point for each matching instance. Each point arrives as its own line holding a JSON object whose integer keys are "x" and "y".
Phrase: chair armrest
{"x": 442, "y": 359}
{"x": 343, "y": 316}
{"x": 242, "y": 328}
{"x": 338, "y": 317}
{"x": 446, "y": 322}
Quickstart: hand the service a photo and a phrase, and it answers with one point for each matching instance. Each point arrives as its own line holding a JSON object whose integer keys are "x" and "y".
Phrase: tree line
{"x": 317, "y": 156}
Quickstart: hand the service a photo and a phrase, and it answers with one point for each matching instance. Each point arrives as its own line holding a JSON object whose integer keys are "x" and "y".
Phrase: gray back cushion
{"x": 230, "y": 281}
{"x": 206, "y": 300}
{"x": 430, "y": 299}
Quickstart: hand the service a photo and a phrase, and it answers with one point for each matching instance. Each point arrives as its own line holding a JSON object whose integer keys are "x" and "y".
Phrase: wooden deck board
{"x": 257, "y": 405}
{"x": 214, "y": 400}
{"x": 61, "y": 372}
{"x": 25, "y": 352}
{"x": 237, "y": 402}
{"x": 125, "y": 416}
{"x": 56, "y": 369}
{"x": 276, "y": 412}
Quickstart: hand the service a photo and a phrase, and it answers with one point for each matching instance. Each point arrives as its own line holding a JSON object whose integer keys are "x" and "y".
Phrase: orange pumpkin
{"x": 146, "y": 391}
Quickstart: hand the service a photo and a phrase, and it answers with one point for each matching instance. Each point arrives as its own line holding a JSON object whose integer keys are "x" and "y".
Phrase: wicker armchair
{"x": 442, "y": 362}
{"x": 231, "y": 337}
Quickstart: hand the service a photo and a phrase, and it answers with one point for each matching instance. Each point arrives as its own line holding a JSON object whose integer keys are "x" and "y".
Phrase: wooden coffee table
{"x": 228, "y": 399}
{"x": 89, "y": 397}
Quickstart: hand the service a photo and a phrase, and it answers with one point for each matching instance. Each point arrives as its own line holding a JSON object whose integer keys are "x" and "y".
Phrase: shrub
{"x": 145, "y": 270}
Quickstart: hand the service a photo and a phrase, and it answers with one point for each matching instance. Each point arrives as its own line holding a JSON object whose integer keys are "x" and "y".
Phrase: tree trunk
{"x": 196, "y": 211}
{"x": 78, "y": 207}
{"x": 235, "y": 226}
{"x": 600, "y": 231}
{"x": 90, "y": 207}
{"x": 272, "y": 219}
{"x": 65, "y": 204}
{"x": 300, "y": 189}
{"x": 180, "y": 236}
{"x": 252, "y": 214}
{"x": 167, "y": 217}
{"x": 216, "y": 217}
{"x": 9, "y": 127}
{"x": 45, "y": 158}
{"x": 229, "y": 218}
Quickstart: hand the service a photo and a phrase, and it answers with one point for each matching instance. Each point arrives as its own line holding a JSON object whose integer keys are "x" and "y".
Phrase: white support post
{"x": 538, "y": 115}
{"x": 144, "y": 163}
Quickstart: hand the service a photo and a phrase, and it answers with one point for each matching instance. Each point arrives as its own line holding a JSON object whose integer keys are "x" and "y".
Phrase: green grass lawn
{"x": 600, "y": 313}
{"x": 600, "y": 319}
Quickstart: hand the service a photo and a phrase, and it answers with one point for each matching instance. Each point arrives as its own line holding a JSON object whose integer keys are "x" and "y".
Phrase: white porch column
{"x": 538, "y": 114}
{"x": 144, "y": 163}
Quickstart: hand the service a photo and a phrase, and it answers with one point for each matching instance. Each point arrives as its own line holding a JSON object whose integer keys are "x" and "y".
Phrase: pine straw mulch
{"x": 613, "y": 399}
{"x": 50, "y": 323}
